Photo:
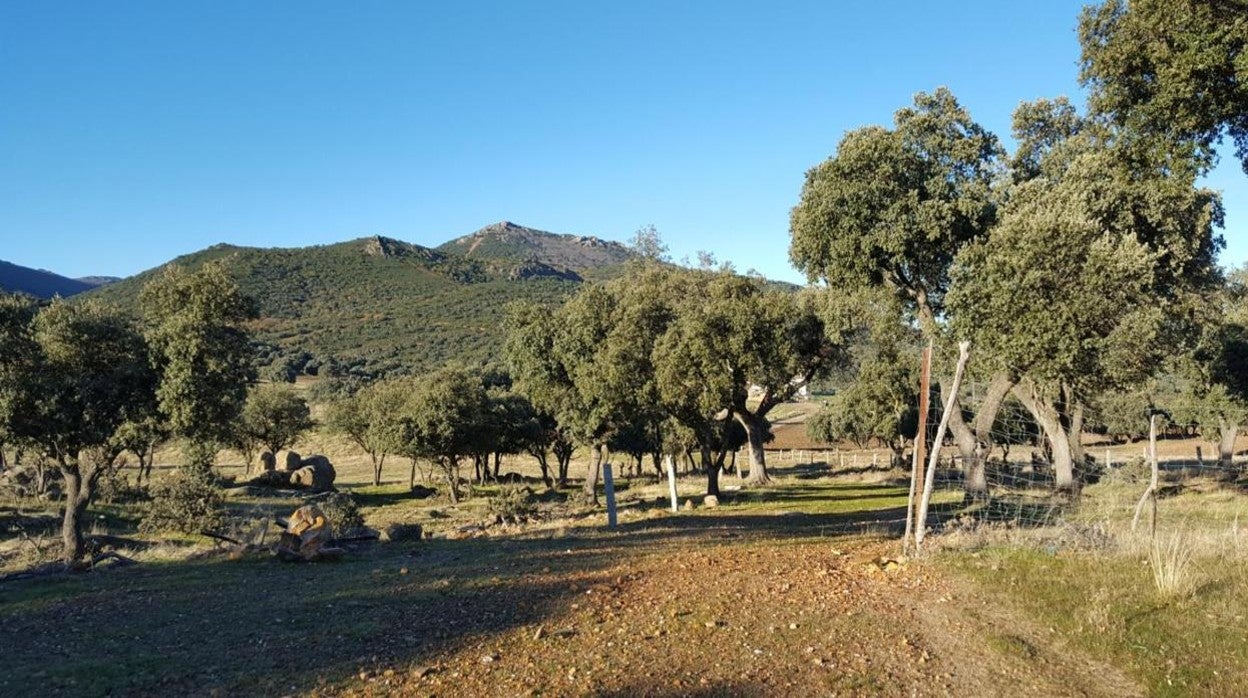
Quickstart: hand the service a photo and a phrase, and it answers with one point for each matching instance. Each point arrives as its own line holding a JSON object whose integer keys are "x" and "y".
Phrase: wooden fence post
{"x": 671, "y": 483}
{"x": 608, "y": 482}
{"x": 1154, "y": 478}
{"x": 920, "y": 440}
{"x": 920, "y": 527}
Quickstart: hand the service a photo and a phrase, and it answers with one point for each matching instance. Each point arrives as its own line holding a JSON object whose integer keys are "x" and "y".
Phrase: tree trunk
{"x": 540, "y": 456}
{"x": 975, "y": 442}
{"x": 498, "y": 458}
{"x": 449, "y": 468}
{"x": 411, "y": 481}
{"x": 563, "y": 458}
{"x": 1074, "y": 426}
{"x": 378, "y": 461}
{"x": 712, "y": 479}
{"x": 1050, "y": 422}
{"x": 1227, "y": 432}
{"x": 591, "y": 477}
{"x": 754, "y": 434}
{"x": 77, "y": 496}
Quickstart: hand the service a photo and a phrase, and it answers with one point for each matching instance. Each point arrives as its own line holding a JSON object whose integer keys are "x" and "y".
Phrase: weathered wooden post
{"x": 920, "y": 522}
{"x": 1154, "y": 477}
{"x": 920, "y": 441}
{"x": 671, "y": 483}
{"x": 608, "y": 482}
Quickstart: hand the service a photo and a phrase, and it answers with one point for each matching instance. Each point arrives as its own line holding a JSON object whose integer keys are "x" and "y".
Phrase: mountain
{"x": 94, "y": 281}
{"x": 507, "y": 241}
{"x": 38, "y": 282}
{"x": 376, "y": 304}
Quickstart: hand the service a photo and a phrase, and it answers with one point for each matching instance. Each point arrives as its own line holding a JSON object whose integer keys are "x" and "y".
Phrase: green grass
{"x": 1106, "y": 605}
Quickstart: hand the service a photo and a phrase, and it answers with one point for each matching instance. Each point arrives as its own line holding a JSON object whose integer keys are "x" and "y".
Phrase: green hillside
{"x": 373, "y": 305}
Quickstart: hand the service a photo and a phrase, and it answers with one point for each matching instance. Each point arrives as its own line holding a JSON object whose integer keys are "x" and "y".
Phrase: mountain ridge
{"x": 40, "y": 283}
{"x": 376, "y": 305}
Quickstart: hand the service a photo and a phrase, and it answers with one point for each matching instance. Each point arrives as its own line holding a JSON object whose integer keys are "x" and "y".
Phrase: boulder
{"x": 292, "y": 463}
{"x": 710, "y": 501}
{"x": 268, "y": 462}
{"x": 271, "y": 478}
{"x": 689, "y": 505}
{"x": 422, "y": 492}
{"x": 315, "y": 473}
{"x": 397, "y": 533}
{"x": 308, "y": 536}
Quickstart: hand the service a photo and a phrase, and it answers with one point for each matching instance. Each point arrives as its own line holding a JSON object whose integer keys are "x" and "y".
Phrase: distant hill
{"x": 39, "y": 283}
{"x": 377, "y": 304}
{"x": 509, "y": 242}
{"x": 99, "y": 280}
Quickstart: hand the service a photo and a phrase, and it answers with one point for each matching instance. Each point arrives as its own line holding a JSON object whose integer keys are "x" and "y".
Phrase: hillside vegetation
{"x": 377, "y": 305}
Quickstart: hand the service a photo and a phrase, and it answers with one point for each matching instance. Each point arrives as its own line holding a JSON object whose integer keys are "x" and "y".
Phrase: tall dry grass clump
{"x": 1171, "y": 559}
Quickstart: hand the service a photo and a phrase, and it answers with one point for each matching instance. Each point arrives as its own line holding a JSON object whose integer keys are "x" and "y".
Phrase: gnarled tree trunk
{"x": 77, "y": 497}
{"x": 755, "y": 433}
{"x": 712, "y": 472}
{"x": 1045, "y": 412}
{"x": 1227, "y": 433}
{"x": 975, "y": 441}
{"x": 597, "y": 456}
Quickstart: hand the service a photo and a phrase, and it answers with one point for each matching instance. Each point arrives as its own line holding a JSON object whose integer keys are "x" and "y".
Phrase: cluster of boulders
{"x": 314, "y": 473}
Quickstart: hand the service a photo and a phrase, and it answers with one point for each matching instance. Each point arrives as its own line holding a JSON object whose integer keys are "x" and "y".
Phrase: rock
{"x": 710, "y": 501}
{"x": 271, "y": 478}
{"x": 541, "y": 632}
{"x": 398, "y": 533}
{"x": 689, "y": 505}
{"x": 489, "y": 658}
{"x": 315, "y": 473}
{"x": 422, "y": 492}
{"x": 292, "y": 462}
{"x": 268, "y": 462}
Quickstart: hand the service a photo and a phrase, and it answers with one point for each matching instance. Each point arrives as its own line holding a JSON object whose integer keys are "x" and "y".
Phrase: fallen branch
{"x": 118, "y": 560}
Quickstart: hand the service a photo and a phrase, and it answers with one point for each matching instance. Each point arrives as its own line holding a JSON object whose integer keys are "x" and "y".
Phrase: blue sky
{"x": 133, "y": 132}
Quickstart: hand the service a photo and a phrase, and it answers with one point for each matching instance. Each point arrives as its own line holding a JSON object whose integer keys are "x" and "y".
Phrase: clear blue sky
{"x": 132, "y": 132}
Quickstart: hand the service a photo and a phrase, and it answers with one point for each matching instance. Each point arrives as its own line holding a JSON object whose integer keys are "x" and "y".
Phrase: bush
{"x": 342, "y": 513}
{"x": 511, "y": 504}
{"x": 115, "y": 488}
{"x": 186, "y": 500}
{"x": 200, "y": 455}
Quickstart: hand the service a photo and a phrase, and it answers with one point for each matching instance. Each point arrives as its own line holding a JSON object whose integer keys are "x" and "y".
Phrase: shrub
{"x": 342, "y": 512}
{"x": 115, "y": 488}
{"x": 199, "y": 455}
{"x": 511, "y": 504}
{"x": 187, "y": 500}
